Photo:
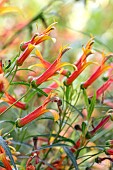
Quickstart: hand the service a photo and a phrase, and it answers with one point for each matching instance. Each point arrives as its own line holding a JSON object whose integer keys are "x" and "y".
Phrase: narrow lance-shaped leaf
{"x": 71, "y": 156}
{"x": 86, "y": 99}
{"x": 8, "y": 152}
{"x": 91, "y": 107}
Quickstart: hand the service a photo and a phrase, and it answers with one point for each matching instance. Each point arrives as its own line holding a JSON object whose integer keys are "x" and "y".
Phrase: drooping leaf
{"x": 60, "y": 138}
{"x": 84, "y": 127}
{"x": 30, "y": 96}
{"x": 8, "y": 152}
{"x": 91, "y": 107}
{"x": 71, "y": 157}
{"x": 41, "y": 91}
{"x": 20, "y": 82}
{"x": 49, "y": 146}
{"x": 86, "y": 99}
{"x": 75, "y": 108}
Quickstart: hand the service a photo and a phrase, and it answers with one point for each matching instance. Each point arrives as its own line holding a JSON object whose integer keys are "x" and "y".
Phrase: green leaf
{"x": 91, "y": 107}
{"x": 67, "y": 93}
{"x": 49, "y": 146}
{"x": 60, "y": 138}
{"x": 8, "y": 152}
{"x": 75, "y": 108}
{"x": 20, "y": 82}
{"x": 7, "y": 121}
{"x": 71, "y": 156}
{"x": 86, "y": 99}
{"x": 84, "y": 127}
{"x": 26, "y": 69}
{"x": 46, "y": 163}
{"x": 41, "y": 91}
{"x": 30, "y": 96}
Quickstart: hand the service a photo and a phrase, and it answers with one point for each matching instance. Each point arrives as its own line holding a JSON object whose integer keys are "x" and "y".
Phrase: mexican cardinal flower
{"x": 55, "y": 66}
{"x": 101, "y": 69}
{"x": 82, "y": 63}
{"x": 37, "y": 112}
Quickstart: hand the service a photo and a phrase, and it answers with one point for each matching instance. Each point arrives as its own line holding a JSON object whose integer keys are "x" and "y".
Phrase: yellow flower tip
{"x": 38, "y": 54}
{"x": 49, "y": 28}
{"x": 92, "y": 37}
{"x": 64, "y": 49}
{"x": 13, "y": 150}
{"x": 55, "y": 114}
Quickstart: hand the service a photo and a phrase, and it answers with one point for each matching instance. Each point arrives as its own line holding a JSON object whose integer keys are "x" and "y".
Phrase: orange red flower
{"x": 101, "y": 69}
{"x": 55, "y": 66}
{"x": 4, "y": 160}
{"x": 38, "y": 38}
{"x": 10, "y": 99}
{"x": 37, "y": 112}
{"x": 81, "y": 64}
{"x": 25, "y": 54}
{"x": 103, "y": 88}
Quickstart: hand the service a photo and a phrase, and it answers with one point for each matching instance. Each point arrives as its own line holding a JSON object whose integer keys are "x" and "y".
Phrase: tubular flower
{"x": 86, "y": 52}
{"x": 46, "y": 64}
{"x": 103, "y": 88}
{"x": 10, "y": 99}
{"x": 25, "y": 54}
{"x": 38, "y": 38}
{"x": 81, "y": 63}
{"x": 51, "y": 70}
{"x": 102, "y": 68}
{"x": 100, "y": 125}
{"x": 38, "y": 112}
{"x": 4, "y": 160}
{"x": 51, "y": 87}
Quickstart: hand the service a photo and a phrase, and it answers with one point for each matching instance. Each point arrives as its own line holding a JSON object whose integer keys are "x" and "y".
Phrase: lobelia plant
{"x": 72, "y": 135}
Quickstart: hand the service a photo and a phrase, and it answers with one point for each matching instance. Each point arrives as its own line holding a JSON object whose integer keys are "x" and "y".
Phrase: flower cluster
{"x": 52, "y": 89}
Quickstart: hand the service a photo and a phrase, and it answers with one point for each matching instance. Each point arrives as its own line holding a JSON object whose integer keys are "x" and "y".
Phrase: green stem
{"x": 6, "y": 134}
{"x": 90, "y": 157}
{"x": 13, "y": 74}
{"x": 17, "y": 101}
{"x": 38, "y": 168}
{"x": 22, "y": 138}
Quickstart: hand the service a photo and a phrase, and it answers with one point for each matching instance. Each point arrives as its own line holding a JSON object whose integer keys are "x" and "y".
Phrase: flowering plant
{"x": 49, "y": 119}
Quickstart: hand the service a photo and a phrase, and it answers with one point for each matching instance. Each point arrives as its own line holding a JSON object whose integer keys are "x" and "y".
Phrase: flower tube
{"x": 37, "y": 112}
{"x": 101, "y": 69}
{"x": 51, "y": 70}
{"x": 81, "y": 64}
